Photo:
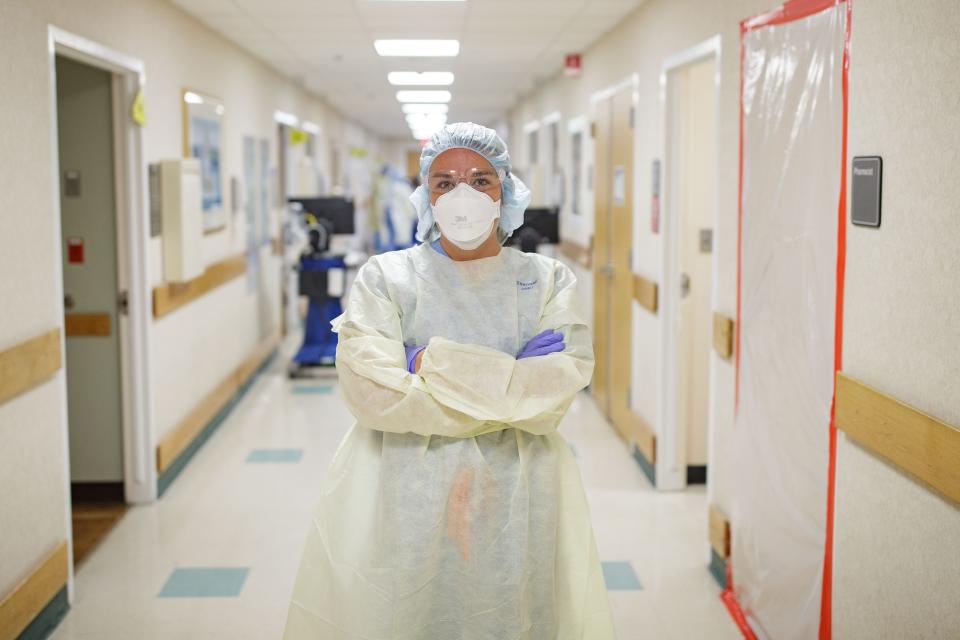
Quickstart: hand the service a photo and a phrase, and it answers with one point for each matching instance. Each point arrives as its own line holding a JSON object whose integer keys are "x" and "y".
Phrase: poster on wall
{"x": 202, "y": 139}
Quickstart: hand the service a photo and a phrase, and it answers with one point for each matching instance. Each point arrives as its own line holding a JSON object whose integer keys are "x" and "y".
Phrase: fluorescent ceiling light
{"x": 311, "y": 127}
{"x": 286, "y": 118}
{"x": 192, "y": 98}
{"x": 427, "y": 78}
{"x": 423, "y": 96}
{"x": 417, "y": 48}
{"x": 435, "y": 107}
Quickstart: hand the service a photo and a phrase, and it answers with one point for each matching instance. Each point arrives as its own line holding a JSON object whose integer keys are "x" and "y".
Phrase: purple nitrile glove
{"x": 549, "y": 341}
{"x": 412, "y": 357}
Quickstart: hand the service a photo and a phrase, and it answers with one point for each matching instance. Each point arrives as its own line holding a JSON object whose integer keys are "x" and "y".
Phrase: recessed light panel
{"x": 425, "y": 79}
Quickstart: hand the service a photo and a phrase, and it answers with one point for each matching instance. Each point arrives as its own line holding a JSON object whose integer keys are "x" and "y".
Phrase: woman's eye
{"x": 481, "y": 182}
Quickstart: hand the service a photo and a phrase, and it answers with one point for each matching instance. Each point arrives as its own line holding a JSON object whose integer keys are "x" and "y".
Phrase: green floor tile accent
{"x": 205, "y": 582}
{"x": 275, "y": 455}
{"x": 49, "y": 617}
{"x": 718, "y": 568}
{"x": 303, "y": 390}
{"x": 648, "y": 469}
{"x": 620, "y": 576}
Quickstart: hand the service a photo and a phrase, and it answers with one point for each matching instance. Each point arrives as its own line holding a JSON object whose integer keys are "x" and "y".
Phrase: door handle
{"x": 608, "y": 270}
{"x": 69, "y": 302}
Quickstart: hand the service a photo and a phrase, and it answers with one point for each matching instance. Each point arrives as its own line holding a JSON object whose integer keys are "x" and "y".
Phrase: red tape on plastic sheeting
{"x": 826, "y": 602}
{"x": 789, "y": 12}
{"x": 730, "y": 600}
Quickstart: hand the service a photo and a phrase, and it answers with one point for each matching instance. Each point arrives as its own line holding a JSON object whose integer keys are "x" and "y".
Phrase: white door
{"x": 696, "y": 111}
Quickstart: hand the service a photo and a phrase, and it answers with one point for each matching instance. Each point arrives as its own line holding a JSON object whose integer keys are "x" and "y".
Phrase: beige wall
{"x": 896, "y": 560}
{"x": 209, "y": 337}
{"x": 897, "y": 548}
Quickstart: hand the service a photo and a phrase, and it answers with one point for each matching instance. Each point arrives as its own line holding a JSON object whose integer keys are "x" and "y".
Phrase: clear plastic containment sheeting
{"x": 792, "y": 131}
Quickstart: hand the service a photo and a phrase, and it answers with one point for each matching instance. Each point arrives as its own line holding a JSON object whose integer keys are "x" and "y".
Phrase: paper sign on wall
{"x": 619, "y": 185}
{"x": 138, "y": 111}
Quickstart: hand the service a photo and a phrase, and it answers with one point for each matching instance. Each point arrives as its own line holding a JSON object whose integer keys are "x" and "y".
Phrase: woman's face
{"x": 452, "y": 164}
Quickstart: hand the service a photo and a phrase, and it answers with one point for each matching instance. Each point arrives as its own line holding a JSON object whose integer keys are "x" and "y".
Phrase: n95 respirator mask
{"x": 466, "y": 216}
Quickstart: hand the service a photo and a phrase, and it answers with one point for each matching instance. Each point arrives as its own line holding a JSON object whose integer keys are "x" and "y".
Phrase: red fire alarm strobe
{"x": 75, "y": 250}
{"x": 572, "y": 64}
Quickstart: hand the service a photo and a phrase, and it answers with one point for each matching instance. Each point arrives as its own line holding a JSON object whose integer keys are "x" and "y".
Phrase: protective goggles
{"x": 484, "y": 180}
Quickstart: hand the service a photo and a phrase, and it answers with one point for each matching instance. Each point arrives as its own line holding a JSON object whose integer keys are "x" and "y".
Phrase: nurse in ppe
{"x": 453, "y": 510}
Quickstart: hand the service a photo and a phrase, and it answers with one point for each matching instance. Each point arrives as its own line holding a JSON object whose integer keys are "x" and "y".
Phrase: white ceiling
{"x": 507, "y": 47}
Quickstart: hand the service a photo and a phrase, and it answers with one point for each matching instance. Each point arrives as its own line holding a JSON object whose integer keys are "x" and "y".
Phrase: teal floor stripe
{"x": 49, "y": 617}
{"x": 170, "y": 474}
{"x": 275, "y": 455}
{"x": 205, "y": 582}
{"x": 300, "y": 390}
{"x": 648, "y": 469}
{"x": 718, "y": 568}
{"x": 619, "y": 575}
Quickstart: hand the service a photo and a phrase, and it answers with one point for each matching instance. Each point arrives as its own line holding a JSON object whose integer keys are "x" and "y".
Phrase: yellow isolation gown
{"x": 453, "y": 510}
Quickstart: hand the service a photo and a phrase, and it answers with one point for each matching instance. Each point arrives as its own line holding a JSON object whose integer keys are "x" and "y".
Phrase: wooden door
{"x": 613, "y": 240}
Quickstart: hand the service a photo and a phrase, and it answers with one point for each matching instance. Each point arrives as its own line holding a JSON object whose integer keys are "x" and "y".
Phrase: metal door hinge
{"x": 633, "y": 111}
{"x": 593, "y": 129}
{"x": 123, "y": 303}
{"x": 684, "y": 285}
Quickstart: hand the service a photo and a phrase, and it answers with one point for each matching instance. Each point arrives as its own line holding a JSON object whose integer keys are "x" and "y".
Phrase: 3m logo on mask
{"x": 526, "y": 286}
{"x": 461, "y": 219}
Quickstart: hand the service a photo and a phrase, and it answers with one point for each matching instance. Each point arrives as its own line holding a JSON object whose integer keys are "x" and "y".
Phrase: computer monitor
{"x": 337, "y": 210}
{"x": 545, "y": 221}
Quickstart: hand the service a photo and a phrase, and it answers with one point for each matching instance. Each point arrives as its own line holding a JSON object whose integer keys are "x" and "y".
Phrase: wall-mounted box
{"x": 178, "y": 183}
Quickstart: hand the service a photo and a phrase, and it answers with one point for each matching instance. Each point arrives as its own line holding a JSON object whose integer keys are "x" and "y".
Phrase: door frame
{"x": 671, "y": 461}
{"x": 133, "y": 251}
{"x": 551, "y": 198}
{"x": 581, "y": 224}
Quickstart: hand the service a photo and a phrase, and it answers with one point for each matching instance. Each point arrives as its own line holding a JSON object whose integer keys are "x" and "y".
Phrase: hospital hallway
{"x": 479, "y": 320}
{"x": 216, "y": 558}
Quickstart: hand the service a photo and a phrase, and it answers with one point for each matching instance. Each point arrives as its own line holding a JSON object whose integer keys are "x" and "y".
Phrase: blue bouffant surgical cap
{"x": 486, "y": 142}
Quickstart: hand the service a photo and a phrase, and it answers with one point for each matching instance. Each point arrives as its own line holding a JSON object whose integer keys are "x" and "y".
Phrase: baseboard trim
{"x": 48, "y": 619}
{"x": 39, "y": 601}
{"x": 718, "y": 568}
{"x": 648, "y": 469}
{"x": 238, "y": 383}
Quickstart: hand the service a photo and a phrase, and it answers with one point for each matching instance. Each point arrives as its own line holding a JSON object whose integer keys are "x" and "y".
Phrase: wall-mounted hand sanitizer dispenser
{"x": 181, "y": 212}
